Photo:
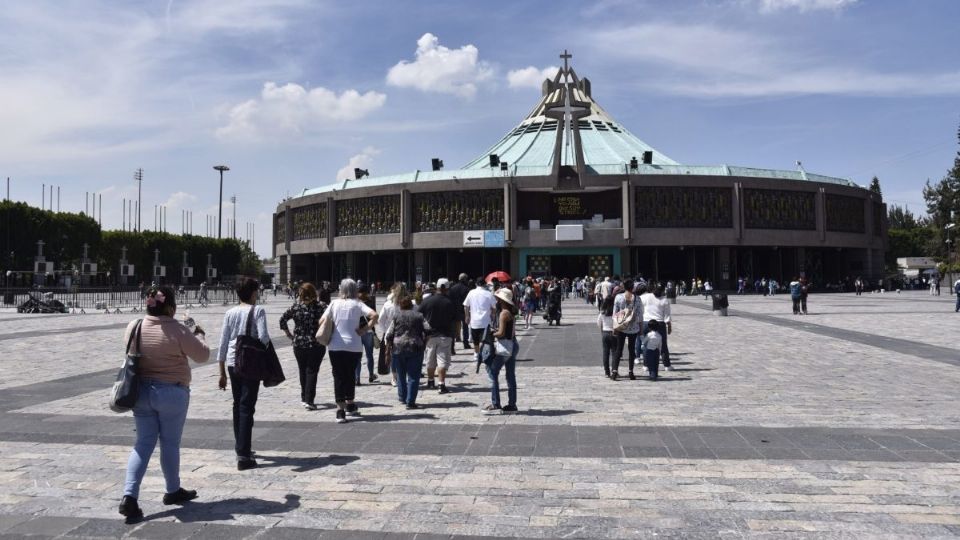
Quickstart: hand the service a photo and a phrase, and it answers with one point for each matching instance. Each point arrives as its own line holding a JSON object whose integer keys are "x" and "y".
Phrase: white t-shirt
{"x": 652, "y": 341}
{"x": 346, "y": 319}
{"x": 655, "y": 309}
{"x": 605, "y": 323}
{"x": 481, "y": 303}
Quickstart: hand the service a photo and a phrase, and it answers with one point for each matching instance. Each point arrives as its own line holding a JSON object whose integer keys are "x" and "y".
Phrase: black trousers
{"x": 609, "y": 342}
{"x": 308, "y": 361}
{"x": 245, "y": 394}
{"x": 344, "y": 367}
{"x": 631, "y": 341}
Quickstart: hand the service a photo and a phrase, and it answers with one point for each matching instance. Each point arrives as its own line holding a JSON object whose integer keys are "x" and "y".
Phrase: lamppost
{"x": 220, "y": 168}
{"x": 233, "y": 229}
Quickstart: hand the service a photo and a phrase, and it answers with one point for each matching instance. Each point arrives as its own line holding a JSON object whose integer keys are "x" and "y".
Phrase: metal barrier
{"x": 84, "y": 299}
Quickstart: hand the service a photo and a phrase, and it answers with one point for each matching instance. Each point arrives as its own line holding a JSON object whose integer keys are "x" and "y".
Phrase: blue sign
{"x": 493, "y": 238}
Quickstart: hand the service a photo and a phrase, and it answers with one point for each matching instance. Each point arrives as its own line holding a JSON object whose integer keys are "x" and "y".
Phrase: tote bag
{"x": 256, "y": 361}
{"x": 126, "y": 390}
{"x": 325, "y": 332}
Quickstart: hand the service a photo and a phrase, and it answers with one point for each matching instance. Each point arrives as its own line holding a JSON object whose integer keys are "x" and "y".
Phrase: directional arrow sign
{"x": 473, "y": 239}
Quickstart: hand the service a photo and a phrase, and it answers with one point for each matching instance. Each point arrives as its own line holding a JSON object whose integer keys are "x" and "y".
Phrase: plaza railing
{"x": 112, "y": 298}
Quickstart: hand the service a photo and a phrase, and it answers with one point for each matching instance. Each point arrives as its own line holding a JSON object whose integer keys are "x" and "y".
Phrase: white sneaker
{"x": 668, "y": 368}
{"x": 393, "y": 382}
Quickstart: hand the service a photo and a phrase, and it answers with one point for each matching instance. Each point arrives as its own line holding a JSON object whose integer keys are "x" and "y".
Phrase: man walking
{"x": 439, "y": 314}
{"x": 457, "y": 294}
{"x": 479, "y": 312}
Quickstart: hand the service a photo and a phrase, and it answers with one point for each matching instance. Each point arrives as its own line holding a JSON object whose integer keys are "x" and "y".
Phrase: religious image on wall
{"x": 845, "y": 214}
{"x": 310, "y": 222}
{"x": 674, "y": 207}
{"x": 279, "y": 228}
{"x": 599, "y": 266}
{"x": 458, "y": 211}
{"x": 369, "y": 215}
{"x": 779, "y": 209}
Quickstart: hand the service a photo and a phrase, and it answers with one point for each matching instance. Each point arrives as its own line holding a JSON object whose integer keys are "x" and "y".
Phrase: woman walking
{"x": 309, "y": 353}
{"x": 607, "y": 340}
{"x": 346, "y": 346}
{"x": 506, "y": 347}
{"x": 387, "y": 312}
{"x": 161, "y": 409}
{"x": 367, "y": 338}
{"x": 627, "y": 311}
{"x": 244, "y": 391}
{"x": 405, "y": 341}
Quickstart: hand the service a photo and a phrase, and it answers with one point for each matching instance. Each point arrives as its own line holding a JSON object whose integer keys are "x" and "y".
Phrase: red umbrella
{"x": 499, "y": 275}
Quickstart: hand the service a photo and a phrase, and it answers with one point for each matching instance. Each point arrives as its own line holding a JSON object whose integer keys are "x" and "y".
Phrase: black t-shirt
{"x": 440, "y": 313}
{"x": 457, "y": 294}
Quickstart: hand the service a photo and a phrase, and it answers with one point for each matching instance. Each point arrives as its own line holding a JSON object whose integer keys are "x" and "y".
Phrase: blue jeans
{"x": 159, "y": 413}
{"x": 493, "y": 372}
{"x": 664, "y": 349}
{"x": 408, "y": 366}
{"x": 367, "y": 340}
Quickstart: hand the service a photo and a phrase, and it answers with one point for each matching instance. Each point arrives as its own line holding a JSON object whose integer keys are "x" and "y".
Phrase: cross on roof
{"x": 565, "y": 56}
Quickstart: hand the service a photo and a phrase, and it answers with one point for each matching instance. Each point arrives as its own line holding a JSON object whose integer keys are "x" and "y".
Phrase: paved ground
{"x": 843, "y": 423}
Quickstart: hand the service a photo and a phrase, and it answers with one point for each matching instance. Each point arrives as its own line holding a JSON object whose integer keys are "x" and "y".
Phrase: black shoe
{"x": 179, "y": 496}
{"x": 412, "y": 406}
{"x": 341, "y": 416}
{"x": 467, "y": 347}
{"x": 245, "y": 464}
{"x": 357, "y": 383}
{"x": 130, "y": 509}
{"x": 632, "y": 376}
{"x": 606, "y": 374}
{"x": 510, "y": 409}
{"x": 430, "y": 384}
{"x": 614, "y": 375}
{"x": 373, "y": 379}
{"x": 443, "y": 389}
{"x": 352, "y": 409}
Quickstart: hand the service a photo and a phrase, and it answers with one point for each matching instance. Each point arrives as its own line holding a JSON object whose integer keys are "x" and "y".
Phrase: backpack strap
{"x": 135, "y": 332}
{"x": 250, "y": 320}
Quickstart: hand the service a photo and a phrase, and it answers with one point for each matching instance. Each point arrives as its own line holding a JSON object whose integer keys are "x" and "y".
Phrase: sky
{"x": 293, "y": 94}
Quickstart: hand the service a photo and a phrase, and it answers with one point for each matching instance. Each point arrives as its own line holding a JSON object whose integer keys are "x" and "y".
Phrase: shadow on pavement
{"x": 306, "y": 464}
{"x": 227, "y": 509}
{"x": 543, "y": 412}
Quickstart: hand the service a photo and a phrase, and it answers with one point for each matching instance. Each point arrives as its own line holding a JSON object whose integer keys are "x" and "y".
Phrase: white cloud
{"x": 440, "y": 69}
{"x": 363, "y": 160}
{"x": 530, "y": 77}
{"x": 805, "y": 5}
{"x": 708, "y": 61}
{"x": 292, "y": 109}
{"x": 180, "y": 200}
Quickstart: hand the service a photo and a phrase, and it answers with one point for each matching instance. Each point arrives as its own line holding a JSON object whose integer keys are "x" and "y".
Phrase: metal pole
{"x": 220, "y": 214}
{"x": 43, "y": 196}
{"x": 58, "y": 198}
{"x": 233, "y": 202}
{"x": 8, "y": 188}
{"x": 124, "y": 216}
{"x": 100, "y": 206}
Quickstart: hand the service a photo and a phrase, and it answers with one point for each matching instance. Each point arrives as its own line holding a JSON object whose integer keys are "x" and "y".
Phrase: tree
{"x": 875, "y": 186}
{"x": 943, "y": 206}
{"x": 900, "y": 218}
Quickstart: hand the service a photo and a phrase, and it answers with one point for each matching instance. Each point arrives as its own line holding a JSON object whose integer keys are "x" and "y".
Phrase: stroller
{"x": 554, "y": 309}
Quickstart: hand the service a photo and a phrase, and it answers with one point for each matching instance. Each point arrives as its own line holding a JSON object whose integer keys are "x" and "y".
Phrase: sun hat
{"x": 505, "y": 294}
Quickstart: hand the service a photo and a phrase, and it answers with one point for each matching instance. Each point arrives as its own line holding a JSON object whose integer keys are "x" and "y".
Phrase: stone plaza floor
{"x": 844, "y": 423}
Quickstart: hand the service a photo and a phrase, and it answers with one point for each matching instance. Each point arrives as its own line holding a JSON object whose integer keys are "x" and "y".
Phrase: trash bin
{"x": 720, "y": 304}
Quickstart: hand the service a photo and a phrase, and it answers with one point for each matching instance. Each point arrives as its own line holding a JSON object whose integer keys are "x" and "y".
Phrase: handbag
{"x": 377, "y": 342}
{"x": 256, "y": 361}
{"x": 487, "y": 348}
{"x": 504, "y": 347}
{"x": 126, "y": 390}
{"x": 325, "y": 331}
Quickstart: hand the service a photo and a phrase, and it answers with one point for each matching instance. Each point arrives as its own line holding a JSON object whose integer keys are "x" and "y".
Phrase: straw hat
{"x": 504, "y": 294}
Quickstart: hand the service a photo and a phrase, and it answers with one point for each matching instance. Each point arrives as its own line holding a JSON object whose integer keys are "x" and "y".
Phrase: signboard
{"x": 211, "y": 273}
{"x": 569, "y": 233}
{"x": 187, "y": 271}
{"x": 43, "y": 267}
{"x": 126, "y": 270}
{"x": 88, "y": 268}
{"x": 568, "y": 206}
{"x": 160, "y": 271}
{"x": 493, "y": 238}
{"x": 473, "y": 238}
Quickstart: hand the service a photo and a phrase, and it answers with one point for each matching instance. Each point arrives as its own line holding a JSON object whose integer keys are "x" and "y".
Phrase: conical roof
{"x": 567, "y": 127}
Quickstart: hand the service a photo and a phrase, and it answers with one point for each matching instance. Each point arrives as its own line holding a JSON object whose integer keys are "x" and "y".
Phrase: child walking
{"x": 607, "y": 339}
{"x": 651, "y": 349}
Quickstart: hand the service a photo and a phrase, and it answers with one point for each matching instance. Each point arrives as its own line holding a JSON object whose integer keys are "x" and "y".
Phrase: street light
{"x": 220, "y": 168}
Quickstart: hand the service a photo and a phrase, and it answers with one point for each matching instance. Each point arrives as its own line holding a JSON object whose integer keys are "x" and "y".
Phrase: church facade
{"x": 569, "y": 192}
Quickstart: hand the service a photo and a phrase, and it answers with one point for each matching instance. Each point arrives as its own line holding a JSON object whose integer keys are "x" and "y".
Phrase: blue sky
{"x": 290, "y": 92}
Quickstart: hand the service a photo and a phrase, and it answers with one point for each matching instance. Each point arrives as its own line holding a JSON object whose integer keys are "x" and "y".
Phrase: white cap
{"x": 443, "y": 283}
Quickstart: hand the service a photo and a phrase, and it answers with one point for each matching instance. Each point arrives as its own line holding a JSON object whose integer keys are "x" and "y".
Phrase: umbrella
{"x": 499, "y": 275}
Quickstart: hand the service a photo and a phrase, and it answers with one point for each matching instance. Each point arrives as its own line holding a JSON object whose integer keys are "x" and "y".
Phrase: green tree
{"x": 943, "y": 206}
{"x": 875, "y": 186}
{"x": 899, "y": 217}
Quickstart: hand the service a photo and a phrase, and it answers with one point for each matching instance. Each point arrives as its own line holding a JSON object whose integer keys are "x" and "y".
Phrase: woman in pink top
{"x": 161, "y": 409}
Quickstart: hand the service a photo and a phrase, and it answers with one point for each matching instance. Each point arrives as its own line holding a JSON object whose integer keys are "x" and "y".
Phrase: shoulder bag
{"x": 126, "y": 390}
{"x": 255, "y": 361}
{"x": 487, "y": 348}
{"x": 325, "y": 331}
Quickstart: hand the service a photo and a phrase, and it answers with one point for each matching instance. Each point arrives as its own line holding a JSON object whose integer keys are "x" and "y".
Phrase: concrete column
{"x": 738, "y": 209}
{"x": 821, "y": 215}
{"x": 331, "y": 223}
{"x": 627, "y": 213}
{"x": 284, "y": 276}
{"x": 406, "y": 217}
{"x": 509, "y": 217}
{"x": 287, "y": 228}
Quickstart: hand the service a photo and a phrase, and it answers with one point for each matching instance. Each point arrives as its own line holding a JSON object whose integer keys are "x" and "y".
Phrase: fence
{"x": 111, "y": 298}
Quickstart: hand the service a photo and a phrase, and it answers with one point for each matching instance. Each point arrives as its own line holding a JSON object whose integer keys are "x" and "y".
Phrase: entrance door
{"x": 569, "y": 266}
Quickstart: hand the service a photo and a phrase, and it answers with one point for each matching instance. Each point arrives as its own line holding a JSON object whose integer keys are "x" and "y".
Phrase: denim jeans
{"x": 308, "y": 362}
{"x": 651, "y": 360}
{"x": 408, "y": 366}
{"x": 367, "y": 340}
{"x": 609, "y": 343}
{"x": 493, "y": 372}
{"x": 159, "y": 413}
{"x": 245, "y": 394}
{"x": 630, "y": 340}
